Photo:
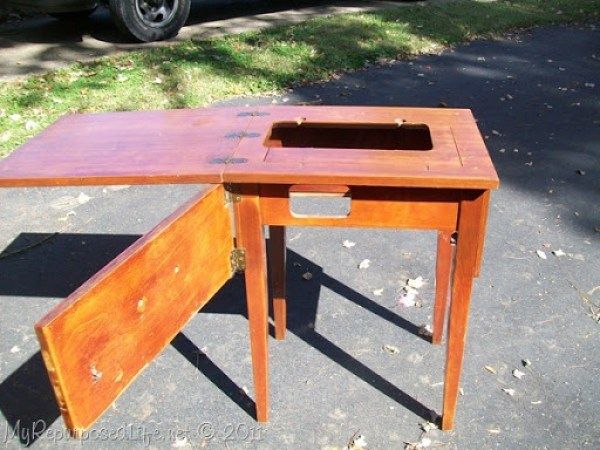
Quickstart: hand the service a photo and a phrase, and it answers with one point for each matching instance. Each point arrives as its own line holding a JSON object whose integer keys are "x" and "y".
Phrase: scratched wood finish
{"x": 369, "y": 207}
{"x": 231, "y": 145}
{"x": 102, "y": 336}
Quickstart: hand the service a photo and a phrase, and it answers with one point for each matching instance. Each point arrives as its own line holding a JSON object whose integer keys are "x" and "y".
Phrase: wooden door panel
{"x": 102, "y": 336}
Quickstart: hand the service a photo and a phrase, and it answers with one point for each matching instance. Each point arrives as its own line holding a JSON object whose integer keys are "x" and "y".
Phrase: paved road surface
{"x": 540, "y": 92}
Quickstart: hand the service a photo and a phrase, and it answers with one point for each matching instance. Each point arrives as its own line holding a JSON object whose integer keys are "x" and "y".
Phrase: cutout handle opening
{"x": 320, "y": 201}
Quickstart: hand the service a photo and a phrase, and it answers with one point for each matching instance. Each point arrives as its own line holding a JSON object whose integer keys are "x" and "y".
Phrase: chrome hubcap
{"x": 155, "y": 13}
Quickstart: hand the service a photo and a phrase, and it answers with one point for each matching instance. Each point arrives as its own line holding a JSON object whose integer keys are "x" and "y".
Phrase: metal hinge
{"x": 228, "y": 161}
{"x": 231, "y": 196}
{"x": 252, "y": 113}
{"x": 238, "y": 259}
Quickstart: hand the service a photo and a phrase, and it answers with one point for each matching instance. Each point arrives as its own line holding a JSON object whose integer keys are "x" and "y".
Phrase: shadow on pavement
{"x": 26, "y": 397}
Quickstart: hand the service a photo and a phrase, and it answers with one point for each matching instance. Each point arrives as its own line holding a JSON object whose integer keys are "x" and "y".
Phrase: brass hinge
{"x": 238, "y": 259}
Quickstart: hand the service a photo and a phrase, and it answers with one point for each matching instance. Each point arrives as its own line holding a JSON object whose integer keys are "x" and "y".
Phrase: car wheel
{"x": 73, "y": 15}
{"x": 150, "y": 20}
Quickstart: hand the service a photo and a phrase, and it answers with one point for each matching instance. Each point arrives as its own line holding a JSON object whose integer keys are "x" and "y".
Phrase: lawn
{"x": 197, "y": 73}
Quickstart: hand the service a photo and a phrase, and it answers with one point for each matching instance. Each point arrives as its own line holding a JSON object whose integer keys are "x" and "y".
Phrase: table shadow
{"x": 43, "y": 265}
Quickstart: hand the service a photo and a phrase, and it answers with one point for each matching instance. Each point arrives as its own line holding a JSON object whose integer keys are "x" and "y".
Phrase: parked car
{"x": 143, "y": 20}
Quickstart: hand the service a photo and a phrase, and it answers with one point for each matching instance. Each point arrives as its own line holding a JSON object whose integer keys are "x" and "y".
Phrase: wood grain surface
{"x": 102, "y": 336}
{"x": 243, "y": 145}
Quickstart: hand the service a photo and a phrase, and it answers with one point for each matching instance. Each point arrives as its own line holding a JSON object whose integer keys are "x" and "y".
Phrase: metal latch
{"x": 238, "y": 259}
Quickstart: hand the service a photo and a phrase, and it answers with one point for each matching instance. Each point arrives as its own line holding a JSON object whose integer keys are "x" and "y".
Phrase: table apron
{"x": 377, "y": 207}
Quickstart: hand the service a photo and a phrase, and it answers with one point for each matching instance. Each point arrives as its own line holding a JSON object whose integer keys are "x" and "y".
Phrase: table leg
{"x": 442, "y": 282}
{"x": 468, "y": 243}
{"x": 250, "y": 237}
{"x": 482, "y": 226}
{"x": 276, "y": 255}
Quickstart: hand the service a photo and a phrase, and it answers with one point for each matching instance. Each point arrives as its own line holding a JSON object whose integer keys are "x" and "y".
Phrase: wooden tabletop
{"x": 371, "y": 146}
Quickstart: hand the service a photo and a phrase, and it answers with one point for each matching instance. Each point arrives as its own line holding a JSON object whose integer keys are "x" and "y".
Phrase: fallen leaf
{"x": 357, "y": 442}
{"x": 118, "y": 187}
{"x": 416, "y": 283}
{"x": 82, "y": 198}
{"x": 428, "y": 426}
{"x": 541, "y": 254}
{"x": 491, "y": 369}
{"x": 31, "y": 125}
{"x": 406, "y": 299}
{"x": 518, "y": 374}
{"x": 5, "y": 136}
{"x": 509, "y": 391}
{"x": 348, "y": 244}
{"x": 392, "y": 350}
{"x": 65, "y": 218}
{"x": 378, "y": 292}
{"x": 425, "y": 442}
{"x": 365, "y": 263}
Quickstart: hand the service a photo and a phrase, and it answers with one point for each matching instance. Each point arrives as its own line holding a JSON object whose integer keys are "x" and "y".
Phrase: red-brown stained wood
{"x": 276, "y": 254}
{"x": 234, "y": 145}
{"x": 442, "y": 283}
{"x": 472, "y": 208}
{"x": 147, "y": 147}
{"x": 482, "y": 227}
{"x": 458, "y": 157}
{"x": 102, "y": 336}
{"x": 369, "y": 207}
{"x": 404, "y": 167}
{"x": 250, "y": 238}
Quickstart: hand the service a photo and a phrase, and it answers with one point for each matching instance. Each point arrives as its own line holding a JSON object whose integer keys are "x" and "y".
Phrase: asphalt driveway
{"x": 536, "y": 95}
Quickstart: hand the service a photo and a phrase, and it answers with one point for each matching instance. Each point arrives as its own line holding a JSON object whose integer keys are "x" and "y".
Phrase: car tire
{"x": 150, "y": 20}
{"x": 72, "y": 16}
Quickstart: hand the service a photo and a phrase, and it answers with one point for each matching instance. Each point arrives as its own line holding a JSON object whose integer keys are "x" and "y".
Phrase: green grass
{"x": 196, "y": 73}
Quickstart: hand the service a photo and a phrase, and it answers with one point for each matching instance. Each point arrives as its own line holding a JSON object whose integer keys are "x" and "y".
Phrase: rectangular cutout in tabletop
{"x": 350, "y": 136}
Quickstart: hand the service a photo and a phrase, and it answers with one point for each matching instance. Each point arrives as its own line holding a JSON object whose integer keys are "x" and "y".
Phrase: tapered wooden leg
{"x": 482, "y": 227}
{"x": 469, "y": 227}
{"x": 250, "y": 237}
{"x": 276, "y": 255}
{"x": 442, "y": 282}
